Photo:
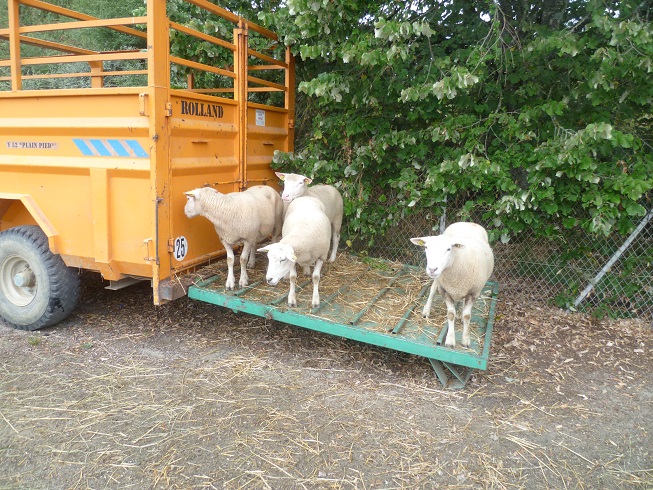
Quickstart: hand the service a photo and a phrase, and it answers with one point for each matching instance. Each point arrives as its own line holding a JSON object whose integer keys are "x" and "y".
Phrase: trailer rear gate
{"x": 98, "y": 147}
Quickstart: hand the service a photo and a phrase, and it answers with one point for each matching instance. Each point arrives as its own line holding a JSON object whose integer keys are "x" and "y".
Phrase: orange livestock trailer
{"x": 97, "y": 148}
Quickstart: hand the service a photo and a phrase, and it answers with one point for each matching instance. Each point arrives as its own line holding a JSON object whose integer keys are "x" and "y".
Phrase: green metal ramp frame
{"x": 345, "y": 312}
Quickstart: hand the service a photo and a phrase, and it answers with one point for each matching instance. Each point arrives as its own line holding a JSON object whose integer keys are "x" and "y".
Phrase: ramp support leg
{"x": 460, "y": 374}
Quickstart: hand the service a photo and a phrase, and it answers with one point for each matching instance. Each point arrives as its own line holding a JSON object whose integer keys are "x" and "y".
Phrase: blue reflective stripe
{"x": 118, "y": 148}
{"x": 83, "y": 147}
{"x": 137, "y": 148}
{"x": 100, "y": 148}
{"x": 108, "y": 148}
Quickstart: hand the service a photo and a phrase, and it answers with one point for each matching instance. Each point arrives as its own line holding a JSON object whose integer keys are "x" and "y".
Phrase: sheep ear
{"x": 189, "y": 194}
{"x": 264, "y": 249}
{"x": 308, "y": 181}
{"x": 418, "y": 241}
{"x": 280, "y": 175}
{"x": 291, "y": 255}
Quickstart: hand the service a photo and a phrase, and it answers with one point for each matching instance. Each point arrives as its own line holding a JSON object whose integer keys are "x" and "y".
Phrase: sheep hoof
{"x": 450, "y": 344}
{"x": 291, "y": 304}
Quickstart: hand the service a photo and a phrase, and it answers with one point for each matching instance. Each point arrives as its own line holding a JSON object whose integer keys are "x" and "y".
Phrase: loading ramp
{"x": 368, "y": 300}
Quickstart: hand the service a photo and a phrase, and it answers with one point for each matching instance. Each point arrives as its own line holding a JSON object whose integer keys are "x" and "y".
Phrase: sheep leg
{"x": 335, "y": 240}
{"x": 244, "y": 257}
{"x": 292, "y": 276}
{"x": 467, "y": 316}
{"x": 450, "y": 341}
{"x": 316, "y": 282}
{"x": 426, "y": 312}
{"x": 231, "y": 280}
{"x": 252, "y": 257}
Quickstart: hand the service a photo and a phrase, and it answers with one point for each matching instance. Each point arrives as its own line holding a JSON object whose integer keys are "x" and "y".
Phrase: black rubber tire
{"x": 55, "y": 288}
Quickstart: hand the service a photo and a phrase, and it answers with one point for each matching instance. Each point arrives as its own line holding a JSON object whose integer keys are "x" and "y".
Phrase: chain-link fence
{"x": 607, "y": 276}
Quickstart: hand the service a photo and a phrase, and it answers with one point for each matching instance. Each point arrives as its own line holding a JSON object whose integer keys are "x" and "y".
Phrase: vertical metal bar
{"x": 97, "y": 79}
{"x": 158, "y": 67}
{"x": 240, "y": 95}
{"x": 378, "y": 296}
{"x": 14, "y": 45}
{"x": 101, "y": 218}
{"x": 290, "y": 101}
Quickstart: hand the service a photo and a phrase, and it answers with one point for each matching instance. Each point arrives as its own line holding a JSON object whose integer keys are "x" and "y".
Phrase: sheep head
{"x": 281, "y": 261}
{"x": 294, "y": 185}
{"x": 192, "y": 206}
{"x": 439, "y": 252}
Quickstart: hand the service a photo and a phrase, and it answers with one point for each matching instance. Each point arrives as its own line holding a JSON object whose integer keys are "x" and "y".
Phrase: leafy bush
{"x": 540, "y": 118}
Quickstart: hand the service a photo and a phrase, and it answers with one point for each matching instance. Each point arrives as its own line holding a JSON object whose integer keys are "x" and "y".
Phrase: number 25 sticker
{"x": 181, "y": 248}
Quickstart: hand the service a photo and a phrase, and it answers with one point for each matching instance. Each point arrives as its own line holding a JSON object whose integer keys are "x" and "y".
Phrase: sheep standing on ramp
{"x": 245, "y": 218}
{"x": 295, "y": 185}
{"x": 460, "y": 261}
{"x": 305, "y": 241}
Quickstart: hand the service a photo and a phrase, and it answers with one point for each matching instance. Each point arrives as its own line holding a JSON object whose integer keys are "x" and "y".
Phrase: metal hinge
{"x": 168, "y": 109}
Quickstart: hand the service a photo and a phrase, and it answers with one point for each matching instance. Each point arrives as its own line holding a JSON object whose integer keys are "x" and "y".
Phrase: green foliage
{"x": 538, "y": 120}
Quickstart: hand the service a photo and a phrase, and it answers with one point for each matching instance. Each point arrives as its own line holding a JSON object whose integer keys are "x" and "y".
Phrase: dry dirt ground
{"x": 124, "y": 394}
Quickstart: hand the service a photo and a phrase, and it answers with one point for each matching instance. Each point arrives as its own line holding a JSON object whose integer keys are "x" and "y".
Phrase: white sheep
{"x": 460, "y": 261}
{"x": 467, "y": 228}
{"x": 295, "y": 185}
{"x": 245, "y": 218}
{"x": 306, "y": 236}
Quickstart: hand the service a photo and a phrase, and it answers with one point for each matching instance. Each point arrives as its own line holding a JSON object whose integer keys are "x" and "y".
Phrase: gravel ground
{"x": 124, "y": 394}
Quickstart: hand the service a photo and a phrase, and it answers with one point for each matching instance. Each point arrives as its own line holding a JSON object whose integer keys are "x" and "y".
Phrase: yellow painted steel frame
{"x": 102, "y": 170}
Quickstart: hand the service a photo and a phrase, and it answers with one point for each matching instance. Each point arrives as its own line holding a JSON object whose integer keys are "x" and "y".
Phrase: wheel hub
{"x": 17, "y": 280}
{"x": 25, "y": 279}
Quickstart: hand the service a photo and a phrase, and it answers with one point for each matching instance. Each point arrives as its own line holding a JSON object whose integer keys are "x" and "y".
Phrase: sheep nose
{"x": 432, "y": 271}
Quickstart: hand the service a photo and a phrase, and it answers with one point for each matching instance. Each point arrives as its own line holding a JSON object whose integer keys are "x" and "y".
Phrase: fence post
{"x": 614, "y": 258}
{"x": 14, "y": 45}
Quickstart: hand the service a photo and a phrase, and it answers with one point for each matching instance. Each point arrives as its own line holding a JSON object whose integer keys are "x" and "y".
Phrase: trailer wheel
{"x": 37, "y": 289}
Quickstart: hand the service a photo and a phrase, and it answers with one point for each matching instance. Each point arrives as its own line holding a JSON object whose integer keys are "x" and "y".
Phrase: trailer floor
{"x": 368, "y": 300}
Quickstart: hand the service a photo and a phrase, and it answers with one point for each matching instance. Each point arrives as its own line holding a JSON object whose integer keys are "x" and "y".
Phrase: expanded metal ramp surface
{"x": 371, "y": 301}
